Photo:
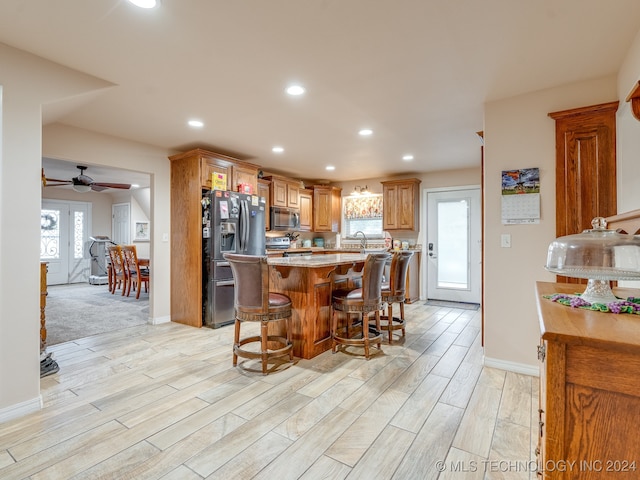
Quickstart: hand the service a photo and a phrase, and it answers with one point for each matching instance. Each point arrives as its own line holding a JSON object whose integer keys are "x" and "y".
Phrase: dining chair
{"x": 137, "y": 274}
{"x": 394, "y": 291}
{"x": 119, "y": 277}
{"x": 360, "y": 301}
{"x": 253, "y": 302}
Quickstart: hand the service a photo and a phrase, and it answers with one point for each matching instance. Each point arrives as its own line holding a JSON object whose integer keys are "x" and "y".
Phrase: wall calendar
{"x": 521, "y": 196}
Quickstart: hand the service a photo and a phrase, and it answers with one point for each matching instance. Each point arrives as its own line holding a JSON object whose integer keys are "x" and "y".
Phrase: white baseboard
{"x": 20, "y": 409}
{"x": 159, "y": 320}
{"x": 514, "y": 367}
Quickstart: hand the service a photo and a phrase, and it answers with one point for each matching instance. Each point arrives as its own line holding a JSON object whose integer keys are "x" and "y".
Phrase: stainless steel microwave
{"x": 283, "y": 218}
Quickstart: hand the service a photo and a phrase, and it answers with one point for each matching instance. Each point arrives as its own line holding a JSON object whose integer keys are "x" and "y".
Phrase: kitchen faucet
{"x": 363, "y": 242}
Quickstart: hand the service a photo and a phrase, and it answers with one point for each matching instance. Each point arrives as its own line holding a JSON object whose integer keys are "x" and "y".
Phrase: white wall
{"x": 519, "y": 134}
{"x": 27, "y": 82}
{"x": 628, "y": 154}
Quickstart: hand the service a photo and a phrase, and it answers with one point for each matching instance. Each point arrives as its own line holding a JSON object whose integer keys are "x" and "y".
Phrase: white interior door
{"x": 454, "y": 249}
{"x": 121, "y": 223}
{"x": 64, "y": 233}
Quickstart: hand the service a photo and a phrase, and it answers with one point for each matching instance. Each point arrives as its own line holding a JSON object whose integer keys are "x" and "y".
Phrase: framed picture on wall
{"x": 142, "y": 232}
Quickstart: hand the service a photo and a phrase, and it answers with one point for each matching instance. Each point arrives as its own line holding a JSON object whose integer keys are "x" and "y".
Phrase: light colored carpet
{"x": 81, "y": 310}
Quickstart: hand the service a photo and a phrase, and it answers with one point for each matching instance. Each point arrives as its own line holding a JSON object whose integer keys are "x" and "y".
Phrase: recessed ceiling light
{"x": 196, "y": 123}
{"x": 295, "y": 90}
{"x": 145, "y": 3}
{"x": 407, "y": 158}
{"x": 365, "y": 132}
{"x": 330, "y": 167}
{"x": 135, "y": 185}
{"x": 277, "y": 149}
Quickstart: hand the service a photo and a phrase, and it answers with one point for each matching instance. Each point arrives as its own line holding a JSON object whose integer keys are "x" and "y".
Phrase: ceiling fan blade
{"x": 57, "y": 184}
{"x": 97, "y": 188}
{"x": 124, "y": 186}
{"x": 66, "y": 182}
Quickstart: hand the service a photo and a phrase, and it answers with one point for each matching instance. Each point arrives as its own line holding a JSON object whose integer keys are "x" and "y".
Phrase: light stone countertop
{"x": 314, "y": 261}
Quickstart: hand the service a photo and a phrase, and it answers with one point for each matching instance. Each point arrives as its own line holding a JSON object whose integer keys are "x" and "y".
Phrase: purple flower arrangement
{"x": 630, "y": 305}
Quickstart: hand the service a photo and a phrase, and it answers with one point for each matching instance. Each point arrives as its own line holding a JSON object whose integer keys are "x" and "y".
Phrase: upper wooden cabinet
{"x": 401, "y": 204}
{"x": 264, "y": 190}
{"x": 326, "y": 208}
{"x": 208, "y": 163}
{"x": 306, "y": 210}
{"x": 284, "y": 191}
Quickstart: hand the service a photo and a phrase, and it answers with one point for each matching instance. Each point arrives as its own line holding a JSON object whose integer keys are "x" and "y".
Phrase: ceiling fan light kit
{"x": 81, "y": 188}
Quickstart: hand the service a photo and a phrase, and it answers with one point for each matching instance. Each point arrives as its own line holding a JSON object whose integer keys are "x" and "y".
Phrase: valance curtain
{"x": 369, "y": 206}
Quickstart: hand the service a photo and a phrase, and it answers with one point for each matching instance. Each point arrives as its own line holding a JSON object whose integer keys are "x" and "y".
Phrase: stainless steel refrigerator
{"x": 232, "y": 222}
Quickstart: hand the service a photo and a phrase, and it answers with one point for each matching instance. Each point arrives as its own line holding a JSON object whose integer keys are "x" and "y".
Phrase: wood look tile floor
{"x": 164, "y": 402}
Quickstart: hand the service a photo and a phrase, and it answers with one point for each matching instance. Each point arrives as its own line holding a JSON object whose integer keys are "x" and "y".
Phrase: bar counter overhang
{"x": 309, "y": 281}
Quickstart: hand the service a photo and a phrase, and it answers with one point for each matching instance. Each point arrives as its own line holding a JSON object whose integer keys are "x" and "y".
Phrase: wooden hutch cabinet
{"x": 326, "y": 208}
{"x": 589, "y": 390}
{"x": 585, "y": 168}
{"x": 306, "y": 210}
{"x": 190, "y": 175}
{"x": 401, "y": 205}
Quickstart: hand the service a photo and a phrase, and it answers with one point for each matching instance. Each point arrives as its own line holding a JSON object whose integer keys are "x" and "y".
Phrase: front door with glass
{"x": 64, "y": 232}
{"x": 454, "y": 245}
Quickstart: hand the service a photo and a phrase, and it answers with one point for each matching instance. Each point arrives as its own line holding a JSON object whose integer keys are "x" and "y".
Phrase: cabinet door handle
{"x": 541, "y": 429}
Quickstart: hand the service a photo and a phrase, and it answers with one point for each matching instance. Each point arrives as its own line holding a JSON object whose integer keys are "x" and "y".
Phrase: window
{"x": 363, "y": 213}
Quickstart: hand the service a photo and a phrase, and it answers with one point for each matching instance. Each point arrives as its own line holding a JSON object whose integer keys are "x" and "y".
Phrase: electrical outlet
{"x": 505, "y": 240}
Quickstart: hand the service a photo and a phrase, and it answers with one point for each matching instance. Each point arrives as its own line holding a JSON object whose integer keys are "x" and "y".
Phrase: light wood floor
{"x": 163, "y": 401}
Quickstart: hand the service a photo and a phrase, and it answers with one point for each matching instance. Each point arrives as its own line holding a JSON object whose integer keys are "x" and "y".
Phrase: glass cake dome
{"x": 599, "y": 255}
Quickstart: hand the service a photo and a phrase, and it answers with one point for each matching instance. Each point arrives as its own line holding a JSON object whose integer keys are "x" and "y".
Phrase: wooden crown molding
{"x": 634, "y": 98}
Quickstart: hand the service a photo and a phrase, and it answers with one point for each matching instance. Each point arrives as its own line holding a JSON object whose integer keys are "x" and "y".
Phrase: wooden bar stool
{"x": 254, "y": 303}
{"x": 393, "y": 291}
{"x": 361, "y": 301}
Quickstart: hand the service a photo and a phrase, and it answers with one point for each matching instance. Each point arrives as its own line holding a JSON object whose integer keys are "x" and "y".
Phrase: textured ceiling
{"x": 417, "y": 72}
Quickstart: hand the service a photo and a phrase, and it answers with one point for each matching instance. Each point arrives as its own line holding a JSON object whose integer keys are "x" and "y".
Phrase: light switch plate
{"x": 165, "y": 237}
{"x": 505, "y": 240}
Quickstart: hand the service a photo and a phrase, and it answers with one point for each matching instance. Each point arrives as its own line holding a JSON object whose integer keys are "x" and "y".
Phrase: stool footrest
{"x": 396, "y": 322}
{"x": 275, "y": 352}
{"x": 374, "y": 336}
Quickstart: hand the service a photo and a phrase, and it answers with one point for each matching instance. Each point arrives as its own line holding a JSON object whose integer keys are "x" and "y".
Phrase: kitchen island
{"x": 309, "y": 281}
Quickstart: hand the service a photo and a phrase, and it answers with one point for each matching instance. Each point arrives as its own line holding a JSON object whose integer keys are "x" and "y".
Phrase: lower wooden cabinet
{"x": 589, "y": 390}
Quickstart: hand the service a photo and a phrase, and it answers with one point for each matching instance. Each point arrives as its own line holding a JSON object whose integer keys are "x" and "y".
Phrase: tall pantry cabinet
{"x": 190, "y": 175}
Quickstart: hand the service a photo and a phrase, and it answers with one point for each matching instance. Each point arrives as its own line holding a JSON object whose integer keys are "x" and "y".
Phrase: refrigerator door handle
{"x": 245, "y": 225}
{"x": 224, "y": 283}
{"x": 241, "y": 229}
